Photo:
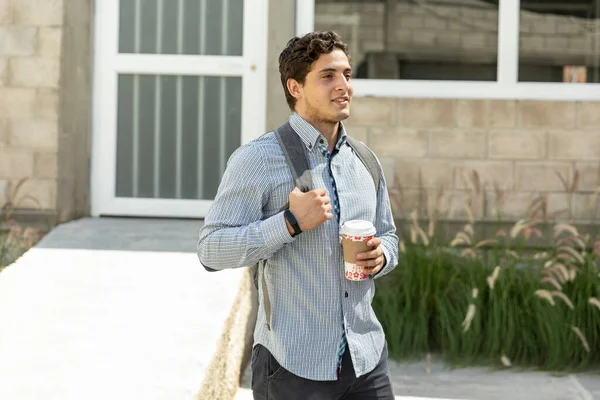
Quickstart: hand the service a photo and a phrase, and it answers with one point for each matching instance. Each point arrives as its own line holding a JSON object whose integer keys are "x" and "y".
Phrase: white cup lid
{"x": 358, "y": 227}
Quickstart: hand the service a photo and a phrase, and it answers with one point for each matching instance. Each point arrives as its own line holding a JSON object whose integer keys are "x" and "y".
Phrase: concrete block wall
{"x": 518, "y": 145}
{"x": 45, "y": 98}
{"x": 30, "y": 53}
{"x": 466, "y": 30}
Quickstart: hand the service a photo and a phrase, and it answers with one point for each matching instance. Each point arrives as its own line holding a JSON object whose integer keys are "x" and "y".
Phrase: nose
{"x": 343, "y": 84}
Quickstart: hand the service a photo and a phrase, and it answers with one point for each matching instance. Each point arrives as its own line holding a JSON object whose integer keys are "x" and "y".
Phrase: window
{"x": 406, "y": 39}
{"x": 559, "y": 41}
{"x": 504, "y": 49}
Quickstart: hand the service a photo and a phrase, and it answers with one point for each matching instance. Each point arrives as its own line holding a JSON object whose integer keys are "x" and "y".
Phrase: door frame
{"x": 109, "y": 63}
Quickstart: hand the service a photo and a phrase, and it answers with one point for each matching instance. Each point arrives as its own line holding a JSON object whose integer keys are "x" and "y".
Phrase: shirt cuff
{"x": 275, "y": 231}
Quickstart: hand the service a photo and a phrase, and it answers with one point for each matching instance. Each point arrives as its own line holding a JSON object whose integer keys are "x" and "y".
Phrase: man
{"x": 318, "y": 338}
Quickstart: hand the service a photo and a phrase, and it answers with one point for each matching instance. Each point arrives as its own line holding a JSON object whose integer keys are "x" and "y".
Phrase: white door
{"x": 179, "y": 85}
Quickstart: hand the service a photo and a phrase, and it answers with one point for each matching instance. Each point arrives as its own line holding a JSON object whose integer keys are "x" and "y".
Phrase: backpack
{"x": 296, "y": 157}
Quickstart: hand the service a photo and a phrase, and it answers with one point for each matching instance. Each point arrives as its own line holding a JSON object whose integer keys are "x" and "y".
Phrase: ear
{"x": 295, "y": 88}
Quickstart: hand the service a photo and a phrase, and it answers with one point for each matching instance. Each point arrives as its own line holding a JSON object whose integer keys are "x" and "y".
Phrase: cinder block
{"x": 34, "y": 133}
{"x": 398, "y": 142}
{"x": 15, "y": 163}
{"x": 17, "y": 40}
{"x": 16, "y": 102}
{"x": 38, "y": 12}
{"x": 547, "y": 114}
{"x": 50, "y": 42}
{"x": 574, "y": 145}
{"x": 35, "y": 72}
{"x": 535, "y": 176}
{"x": 45, "y": 164}
{"x": 457, "y": 143}
{"x": 517, "y": 144}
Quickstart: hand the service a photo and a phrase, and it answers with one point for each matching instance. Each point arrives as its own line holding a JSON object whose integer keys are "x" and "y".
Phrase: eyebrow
{"x": 333, "y": 70}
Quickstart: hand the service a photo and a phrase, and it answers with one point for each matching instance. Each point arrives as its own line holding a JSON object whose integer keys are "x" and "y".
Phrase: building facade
{"x": 132, "y": 107}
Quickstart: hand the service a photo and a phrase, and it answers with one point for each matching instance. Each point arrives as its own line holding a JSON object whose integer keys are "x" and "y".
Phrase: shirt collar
{"x": 310, "y": 135}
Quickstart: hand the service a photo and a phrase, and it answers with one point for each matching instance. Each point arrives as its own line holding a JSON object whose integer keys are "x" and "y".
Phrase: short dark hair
{"x": 301, "y": 52}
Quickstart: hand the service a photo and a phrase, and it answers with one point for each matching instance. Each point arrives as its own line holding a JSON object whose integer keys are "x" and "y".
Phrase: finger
{"x": 320, "y": 192}
{"x": 370, "y": 261}
{"x": 296, "y": 190}
{"x": 374, "y": 242}
{"x": 327, "y": 207}
{"x": 373, "y": 271}
{"x": 326, "y": 200}
{"x": 365, "y": 255}
{"x": 368, "y": 255}
{"x": 372, "y": 264}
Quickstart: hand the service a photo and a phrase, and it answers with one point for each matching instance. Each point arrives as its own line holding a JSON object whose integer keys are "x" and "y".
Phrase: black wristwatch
{"x": 292, "y": 220}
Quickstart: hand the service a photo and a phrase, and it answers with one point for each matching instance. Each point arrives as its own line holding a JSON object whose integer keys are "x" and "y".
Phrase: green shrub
{"x": 492, "y": 302}
{"x": 499, "y": 300}
{"x": 15, "y": 239}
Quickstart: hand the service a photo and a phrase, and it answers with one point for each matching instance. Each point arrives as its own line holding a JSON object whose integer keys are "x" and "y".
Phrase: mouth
{"x": 342, "y": 101}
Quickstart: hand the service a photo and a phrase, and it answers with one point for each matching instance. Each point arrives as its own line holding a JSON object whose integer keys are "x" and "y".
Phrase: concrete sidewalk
{"x": 412, "y": 379}
{"x": 121, "y": 309}
{"x": 115, "y": 309}
{"x": 412, "y": 382}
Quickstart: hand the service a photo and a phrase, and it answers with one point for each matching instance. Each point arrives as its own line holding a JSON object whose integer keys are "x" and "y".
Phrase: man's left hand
{"x": 373, "y": 260}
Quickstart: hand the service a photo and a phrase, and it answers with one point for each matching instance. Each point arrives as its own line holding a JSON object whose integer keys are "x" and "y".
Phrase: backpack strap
{"x": 296, "y": 156}
{"x": 368, "y": 159}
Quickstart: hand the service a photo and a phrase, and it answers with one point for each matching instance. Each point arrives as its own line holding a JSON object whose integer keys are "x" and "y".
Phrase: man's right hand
{"x": 311, "y": 209}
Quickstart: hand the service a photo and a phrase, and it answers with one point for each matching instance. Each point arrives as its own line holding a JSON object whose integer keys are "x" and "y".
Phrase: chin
{"x": 344, "y": 114}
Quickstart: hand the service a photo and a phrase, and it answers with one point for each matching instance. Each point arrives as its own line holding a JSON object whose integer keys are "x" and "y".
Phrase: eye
{"x": 328, "y": 76}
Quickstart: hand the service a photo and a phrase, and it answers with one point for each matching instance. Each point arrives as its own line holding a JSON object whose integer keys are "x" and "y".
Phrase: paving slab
{"x": 591, "y": 384}
{"x": 412, "y": 379}
{"x": 111, "y": 309}
{"x": 125, "y": 234}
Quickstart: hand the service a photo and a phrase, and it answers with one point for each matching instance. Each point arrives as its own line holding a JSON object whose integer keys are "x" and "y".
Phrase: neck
{"x": 328, "y": 129}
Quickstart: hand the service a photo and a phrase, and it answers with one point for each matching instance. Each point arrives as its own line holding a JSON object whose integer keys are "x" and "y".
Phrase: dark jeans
{"x": 270, "y": 381}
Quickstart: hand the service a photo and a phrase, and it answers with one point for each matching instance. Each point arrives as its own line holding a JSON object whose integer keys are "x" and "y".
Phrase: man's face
{"x": 327, "y": 91}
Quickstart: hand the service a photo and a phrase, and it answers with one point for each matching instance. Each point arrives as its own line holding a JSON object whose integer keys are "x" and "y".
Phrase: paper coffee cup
{"x": 355, "y": 235}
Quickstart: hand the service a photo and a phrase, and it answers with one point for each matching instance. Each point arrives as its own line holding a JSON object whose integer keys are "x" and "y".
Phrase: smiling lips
{"x": 343, "y": 101}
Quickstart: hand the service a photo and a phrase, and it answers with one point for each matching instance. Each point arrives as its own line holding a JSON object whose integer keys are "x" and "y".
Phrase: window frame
{"x": 507, "y": 86}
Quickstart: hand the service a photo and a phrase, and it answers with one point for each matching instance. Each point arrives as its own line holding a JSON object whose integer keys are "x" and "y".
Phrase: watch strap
{"x": 293, "y": 222}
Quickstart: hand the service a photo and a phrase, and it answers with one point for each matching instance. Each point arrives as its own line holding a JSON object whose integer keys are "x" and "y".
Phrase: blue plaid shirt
{"x": 313, "y": 305}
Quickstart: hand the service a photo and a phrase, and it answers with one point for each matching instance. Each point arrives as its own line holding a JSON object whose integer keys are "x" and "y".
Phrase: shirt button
{"x": 346, "y": 294}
